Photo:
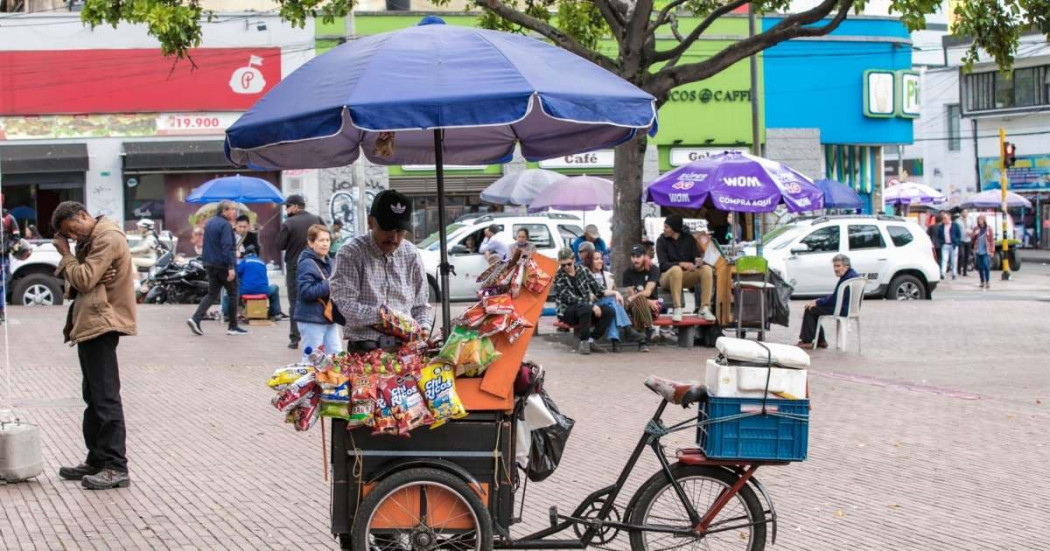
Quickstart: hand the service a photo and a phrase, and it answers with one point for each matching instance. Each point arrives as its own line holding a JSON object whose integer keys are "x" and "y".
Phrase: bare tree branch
{"x": 791, "y": 27}
{"x": 664, "y": 14}
{"x": 550, "y": 32}
{"x": 612, "y": 16}
{"x": 674, "y": 29}
{"x": 683, "y": 45}
{"x": 634, "y": 66}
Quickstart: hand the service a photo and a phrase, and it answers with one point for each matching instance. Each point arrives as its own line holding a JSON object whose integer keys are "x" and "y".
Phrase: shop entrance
{"x": 32, "y": 198}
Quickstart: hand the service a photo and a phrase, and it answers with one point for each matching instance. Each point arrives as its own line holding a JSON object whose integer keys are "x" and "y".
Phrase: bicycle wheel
{"x": 422, "y": 509}
{"x": 738, "y": 526}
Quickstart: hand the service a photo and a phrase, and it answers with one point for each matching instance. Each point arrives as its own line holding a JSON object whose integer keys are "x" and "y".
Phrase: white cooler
{"x": 738, "y": 381}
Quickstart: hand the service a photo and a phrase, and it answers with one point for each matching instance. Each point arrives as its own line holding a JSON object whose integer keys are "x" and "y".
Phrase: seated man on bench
{"x": 574, "y": 292}
{"x": 682, "y": 265}
{"x": 641, "y": 281}
{"x": 251, "y": 275}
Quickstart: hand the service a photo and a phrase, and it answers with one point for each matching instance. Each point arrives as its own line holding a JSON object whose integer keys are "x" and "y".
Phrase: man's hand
{"x": 232, "y": 274}
{"x": 687, "y": 266}
{"x": 811, "y": 304}
{"x": 61, "y": 244}
{"x": 619, "y": 297}
{"x": 110, "y": 276}
{"x": 597, "y": 311}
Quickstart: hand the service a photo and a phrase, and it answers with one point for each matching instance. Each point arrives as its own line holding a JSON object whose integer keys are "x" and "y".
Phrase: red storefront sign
{"x": 135, "y": 81}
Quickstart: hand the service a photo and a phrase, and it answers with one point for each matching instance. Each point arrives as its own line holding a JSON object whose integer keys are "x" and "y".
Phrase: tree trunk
{"x": 627, "y": 194}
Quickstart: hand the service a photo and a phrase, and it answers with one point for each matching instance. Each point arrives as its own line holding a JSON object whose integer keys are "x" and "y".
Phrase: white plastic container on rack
{"x": 739, "y": 381}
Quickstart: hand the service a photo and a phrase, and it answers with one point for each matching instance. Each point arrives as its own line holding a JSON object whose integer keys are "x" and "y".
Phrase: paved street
{"x": 934, "y": 438}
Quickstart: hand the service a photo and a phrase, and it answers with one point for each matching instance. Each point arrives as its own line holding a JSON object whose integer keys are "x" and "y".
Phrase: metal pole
{"x": 439, "y": 160}
{"x": 756, "y": 144}
{"x": 1004, "y": 182}
{"x": 976, "y": 159}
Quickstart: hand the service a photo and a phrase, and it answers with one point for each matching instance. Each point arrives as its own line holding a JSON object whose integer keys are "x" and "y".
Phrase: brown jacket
{"x": 98, "y": 309}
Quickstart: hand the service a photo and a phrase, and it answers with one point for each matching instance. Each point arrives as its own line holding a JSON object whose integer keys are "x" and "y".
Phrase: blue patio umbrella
{"x": 839, "y": 196}
{"x": 437, "y": 93}
{"x": 23, "y": 213}
{"x": 242, "y": 189}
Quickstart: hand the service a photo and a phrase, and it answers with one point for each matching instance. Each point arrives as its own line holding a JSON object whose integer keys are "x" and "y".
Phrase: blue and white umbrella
{"x": 435, "y": 94}
{"x": 242, "y": 189}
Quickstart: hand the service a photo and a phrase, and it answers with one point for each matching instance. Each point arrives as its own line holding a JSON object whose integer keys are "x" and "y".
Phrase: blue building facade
{"x": 853, "y": 90}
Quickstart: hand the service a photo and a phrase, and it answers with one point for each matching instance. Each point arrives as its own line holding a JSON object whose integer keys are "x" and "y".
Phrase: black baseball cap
{"x": 638, "y": 250}
{"x": 295, "y": 199}
{"x": 392, "y": 211}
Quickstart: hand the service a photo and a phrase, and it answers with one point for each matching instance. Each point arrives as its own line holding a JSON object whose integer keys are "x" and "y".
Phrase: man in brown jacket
{"x": 100, "y": 282}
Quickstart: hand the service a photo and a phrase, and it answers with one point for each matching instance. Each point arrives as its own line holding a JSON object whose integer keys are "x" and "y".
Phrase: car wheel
{"x": 997, "y": 261}
{"x": 38, "y": 290}
{"x": 1015, "y": 260}
{"x": 906, "y": 287}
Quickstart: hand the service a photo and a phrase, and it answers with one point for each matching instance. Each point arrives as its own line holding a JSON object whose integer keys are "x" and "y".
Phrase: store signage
{"x": 708, "y": 95}
{"x": 139, "y": 125}
{"x": 685, "y": 155}
{"x": 135, "y": 80}
{"x": 1029, "y": 173}
{"x": 880, "y": 93}
{"x": 194, "y": 124}
{"x": 604, "y": 158}
{"x": 433, "y": 168}
{"x": 908, "y": 100}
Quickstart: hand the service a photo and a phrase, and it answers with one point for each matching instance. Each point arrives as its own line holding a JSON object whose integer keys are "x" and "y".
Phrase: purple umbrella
{"x": 575, "y": 193}
{"x": 911, "y": 193}
{"x": 993, "y": 199}
{"x": 736, "y": 182}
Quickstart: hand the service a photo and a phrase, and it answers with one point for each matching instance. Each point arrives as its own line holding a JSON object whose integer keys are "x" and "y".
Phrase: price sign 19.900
{"x": 194, "y": 123}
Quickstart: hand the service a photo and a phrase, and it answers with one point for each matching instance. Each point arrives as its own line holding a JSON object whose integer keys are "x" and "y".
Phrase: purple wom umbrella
{"x": 735, "y": 182}
{"x": 575, "y": 193}
{"x": 993, "y": 199}
{"x": 911, "y": 193}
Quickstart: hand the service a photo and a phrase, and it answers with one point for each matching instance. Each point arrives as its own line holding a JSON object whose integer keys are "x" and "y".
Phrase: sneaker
{"x": 236, "y": 331}
{"x": 195, "y": 326}
{"x": 615, "y": 347}
{"x": 805, "y": 345}
{"x": 642, "y": 347}
{"x": 598, "y": 349}
{"x": 676, "y": 315}
{"x": 106, "y": 479}
{"x": 78, "y": 472}
{"x": 706, "y": 313}
{"x": 632, "y": 336}
{"x": 281, "y": 316}
{"x": 584, "y": 348}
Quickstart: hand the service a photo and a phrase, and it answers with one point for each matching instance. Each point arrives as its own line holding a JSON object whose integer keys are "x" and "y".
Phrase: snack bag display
{"x": 487, "y": 354}
{"x": 407, "y": 403}
{"x": 398, "y": 325}
{"x": 473, "y": 316}
{"x": 494, "y": 324}
{"x": 437, "y": 383}
{"x": 469, "y": 355}
{"x": 285, "y": 376}
{"x": 499, "y": 304}
{"x": 384, "y": 420}
{"x": 308, "y": 412}
{"x": 450, "y": 352}
{"x": 491, "y": 273}
{"x": 518, "y": 325}
{"x": 335, "y": 410}
{"x": 295, "y": 393}
{"x": 536, "y": 280}
{"x": 516, "y": 280}
{"x": 362, "y": 401}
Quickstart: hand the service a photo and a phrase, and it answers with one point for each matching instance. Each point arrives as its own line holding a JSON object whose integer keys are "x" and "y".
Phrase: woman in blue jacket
{"x": 315, "y": 268}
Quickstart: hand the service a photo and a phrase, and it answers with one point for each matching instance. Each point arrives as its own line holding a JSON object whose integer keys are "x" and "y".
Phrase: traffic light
{"x": 1009, "y": 154}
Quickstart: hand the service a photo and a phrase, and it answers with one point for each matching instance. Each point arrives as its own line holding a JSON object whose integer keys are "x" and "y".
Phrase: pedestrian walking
{"x": 983, "y": 239}
{"x": 966, "y": 243}
{"x": 292, "y": 240}
{"x": 947, "y": 238}
{"x": 8, "y": 237}
{"x": 100, "y": 282}
{"x": 337, "y": 238}
{"x": 314, "y": 312}
{"x": 220, "y": 261}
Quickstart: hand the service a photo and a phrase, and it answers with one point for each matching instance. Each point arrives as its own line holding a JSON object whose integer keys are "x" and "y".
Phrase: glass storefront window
{"x": 144, "y": 198}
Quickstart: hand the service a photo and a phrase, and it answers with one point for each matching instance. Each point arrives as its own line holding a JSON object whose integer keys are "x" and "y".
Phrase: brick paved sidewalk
{"x": 932, "y": 439}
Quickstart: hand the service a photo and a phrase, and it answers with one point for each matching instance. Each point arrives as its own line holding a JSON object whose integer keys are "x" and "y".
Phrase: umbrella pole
{"x": 444, "y": 268}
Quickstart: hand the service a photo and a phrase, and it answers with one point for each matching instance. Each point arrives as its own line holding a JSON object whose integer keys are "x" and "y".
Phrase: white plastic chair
{"x": 842, "y": 326}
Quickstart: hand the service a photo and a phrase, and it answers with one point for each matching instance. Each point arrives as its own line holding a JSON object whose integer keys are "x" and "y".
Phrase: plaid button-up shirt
{"x": 365, "y": 279}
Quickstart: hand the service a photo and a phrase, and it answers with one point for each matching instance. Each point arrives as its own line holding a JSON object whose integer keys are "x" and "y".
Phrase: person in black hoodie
{"x": 292, "y": 240}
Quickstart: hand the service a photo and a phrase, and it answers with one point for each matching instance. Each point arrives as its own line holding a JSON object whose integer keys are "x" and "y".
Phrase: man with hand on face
{"x": 380, "y": 268}
{"x": 100, "y": 282}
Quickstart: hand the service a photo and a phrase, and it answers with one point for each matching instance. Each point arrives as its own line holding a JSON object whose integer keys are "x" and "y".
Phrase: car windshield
{"x": 781, "y": 237}
{"x": 432, "y": 240}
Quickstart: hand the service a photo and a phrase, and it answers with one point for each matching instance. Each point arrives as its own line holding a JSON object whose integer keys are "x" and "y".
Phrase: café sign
{"x": 595, "y": 159}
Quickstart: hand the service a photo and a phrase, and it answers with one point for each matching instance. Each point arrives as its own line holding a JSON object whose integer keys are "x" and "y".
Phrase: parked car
{"x": 893, "y": 253}
{"x": 547, "y": 232}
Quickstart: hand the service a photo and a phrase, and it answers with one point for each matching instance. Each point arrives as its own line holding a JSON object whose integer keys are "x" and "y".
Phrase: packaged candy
{"x": 335, "y": 410}
{"x": 398, "y": 325}
{"x": 362, "y": 401}
{"x": 494, "y": 324}
{"x": 437, "y": 383}
{"x": 308, "y": 412}
{"x": 295, "y": 393}
{"x": 407, "y": 403}
{"x": 384, "y": 420}
{"x": 536, "y": 280}
{"x": 499, "y": 304}
{"x": 288, "y": 375}
{"x": 472, "y": 317}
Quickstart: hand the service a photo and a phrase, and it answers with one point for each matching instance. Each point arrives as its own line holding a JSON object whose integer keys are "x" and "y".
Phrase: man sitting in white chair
{"x": 826, "y": 306}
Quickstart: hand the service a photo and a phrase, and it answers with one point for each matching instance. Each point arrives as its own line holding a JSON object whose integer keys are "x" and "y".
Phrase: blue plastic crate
{"x": 726, "y": 431}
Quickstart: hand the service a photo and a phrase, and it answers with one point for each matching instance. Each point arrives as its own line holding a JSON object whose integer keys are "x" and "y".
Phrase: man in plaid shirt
{"x": 379, "y": 269}
{"x": 575, "y": 292}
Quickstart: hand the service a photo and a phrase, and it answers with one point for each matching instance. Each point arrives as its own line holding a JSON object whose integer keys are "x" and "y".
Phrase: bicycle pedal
{"x": 554, "y": 516}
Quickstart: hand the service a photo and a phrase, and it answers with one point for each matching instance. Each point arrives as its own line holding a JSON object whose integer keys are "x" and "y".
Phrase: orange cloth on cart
{"x": 495, "y": 391}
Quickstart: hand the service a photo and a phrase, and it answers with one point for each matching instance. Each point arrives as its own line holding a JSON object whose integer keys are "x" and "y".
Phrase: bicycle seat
{"x": 684, "y": 394}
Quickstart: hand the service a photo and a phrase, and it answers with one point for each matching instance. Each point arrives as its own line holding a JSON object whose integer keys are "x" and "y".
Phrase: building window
{"x": 1027, "y": 87}
{"x": 954, "y": 123}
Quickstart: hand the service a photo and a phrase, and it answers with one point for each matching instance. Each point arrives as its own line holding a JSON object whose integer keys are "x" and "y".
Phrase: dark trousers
{"x": 809, "y": 323}
{"x": 965, "y": 250}
{"x": 216, "y": 283}
{"x": 291, "y": 283}
{"x": 104, "y": 417}
{"x": 582, "y": 316}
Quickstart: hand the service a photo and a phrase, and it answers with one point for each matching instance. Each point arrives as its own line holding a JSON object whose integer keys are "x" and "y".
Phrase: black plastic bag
{"x": 781, "y": 314}
{"x": 548, "y": 443}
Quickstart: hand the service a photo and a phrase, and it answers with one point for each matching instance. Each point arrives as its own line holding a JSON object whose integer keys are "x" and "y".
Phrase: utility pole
{"x": 756, "y": 144}
{"x": 1006, "y": 160}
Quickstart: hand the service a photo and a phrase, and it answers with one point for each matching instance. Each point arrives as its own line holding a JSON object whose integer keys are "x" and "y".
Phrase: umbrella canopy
{"x": 243, "y": 189}
{"x": 839, "y": 196}
{"x": 736, "y": 182}
{"x": 575, "y": 193}
{"x": 992, "y": 199}
{"x": 911, "y": 193}
{"x": 520, "y": 188}
{"x": 23, "y": 213}
{"x": 488, "y": 90}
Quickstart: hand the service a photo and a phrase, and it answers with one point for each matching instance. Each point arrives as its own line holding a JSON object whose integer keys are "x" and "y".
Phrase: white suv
{"x": 893, "y": 253}
{"x": 548, "y": 233}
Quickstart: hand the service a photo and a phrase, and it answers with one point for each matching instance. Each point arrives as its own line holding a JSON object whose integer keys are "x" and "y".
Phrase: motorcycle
{"x": 172, "y": 282}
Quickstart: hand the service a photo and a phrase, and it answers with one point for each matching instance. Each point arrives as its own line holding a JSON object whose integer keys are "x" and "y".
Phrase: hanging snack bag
{"x": 335, "y": 410}
{"x": 536, "y": 280}
{"x": 295, "y": 393}
{"x": 362, "y": 401}
{"x": 472, "y": 317}
{"x": 437, "y": 383}
{"x": 308, "y": 412}
{"x": 450, "y": 352}
{"x": 384, "y": 420}
{"x": 469, "y": 355}
{"x": 494, "y": 324}
{"x": 517, "y": 280}
{"x": 518, "y": 325}
{"x": 492, "y": 272}
{"x": 407, "y": 404}
{"x": 397, "y": 324}
{"x": 499, "y": 304}
{"x": 487, "y": 354}
{"x": 288, "y": 375}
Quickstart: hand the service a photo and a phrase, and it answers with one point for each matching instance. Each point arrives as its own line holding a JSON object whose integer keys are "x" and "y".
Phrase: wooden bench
{"x": 686, "y": 328}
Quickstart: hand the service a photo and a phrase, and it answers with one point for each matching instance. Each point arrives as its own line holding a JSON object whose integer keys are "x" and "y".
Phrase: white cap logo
{"x": 248, "y": 79}
{"x": 397, "y": 208}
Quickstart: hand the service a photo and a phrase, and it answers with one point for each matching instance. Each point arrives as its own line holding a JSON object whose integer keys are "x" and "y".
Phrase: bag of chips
{"x": 335, "y": 410}
{"x": 493, "y": 324}
{"x": 487, "y": 354}
{"x": 383, "y": 417}
{"x": 536, "y": 280}
{"x": 517, "y": 279}
{"x": 499, "y": 304}
{"x": 450, "y": 352}
{"x": 362, "y": 401}
{"x": 295, "y": 394}
{"x": 472, "y": 317}
{"x": 518, "y": 326}
{"x": 397, "y": 324}
{"x": 308, "y": 412}
{"x": 407, "y": 404}
{"x": 288, "y": 375}
{"x": 469, "y": 355}
{"x": 437, "y": 383}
